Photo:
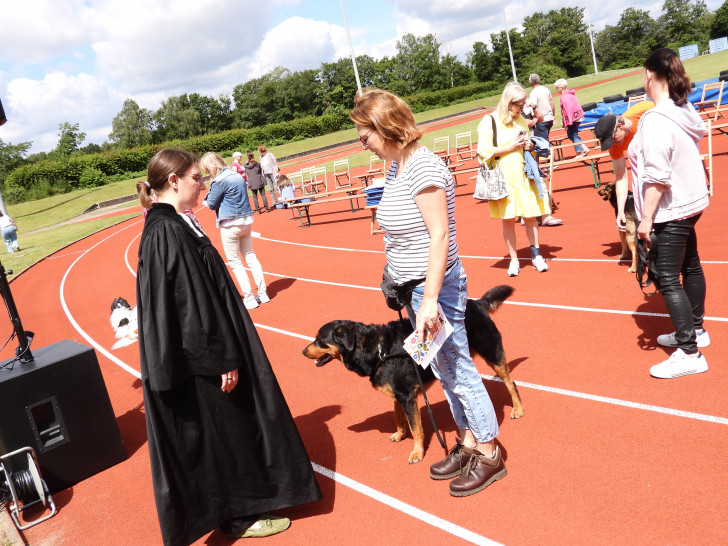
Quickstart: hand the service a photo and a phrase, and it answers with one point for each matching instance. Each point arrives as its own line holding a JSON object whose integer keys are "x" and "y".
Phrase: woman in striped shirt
{"x": 417, "y": 213}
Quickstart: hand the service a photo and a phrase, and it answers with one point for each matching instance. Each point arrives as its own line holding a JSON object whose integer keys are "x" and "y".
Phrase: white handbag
{"x": 490, "y": 184}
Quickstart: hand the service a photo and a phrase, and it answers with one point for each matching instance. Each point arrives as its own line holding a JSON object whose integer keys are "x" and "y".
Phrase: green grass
{"x": 51, "y": 211}
{"x": 37, "y": 245}
{"x": 55, "y": 211}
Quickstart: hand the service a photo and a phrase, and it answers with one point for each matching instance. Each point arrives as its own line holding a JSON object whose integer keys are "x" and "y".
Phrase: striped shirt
{"x": 406, "y": 239}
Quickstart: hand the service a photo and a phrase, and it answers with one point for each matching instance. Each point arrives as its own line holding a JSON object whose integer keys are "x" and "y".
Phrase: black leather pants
{"x": 677, "y": 254}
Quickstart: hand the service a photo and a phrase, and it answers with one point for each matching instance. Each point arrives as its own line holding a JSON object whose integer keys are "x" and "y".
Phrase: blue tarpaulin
{"x": 619, "y": 107}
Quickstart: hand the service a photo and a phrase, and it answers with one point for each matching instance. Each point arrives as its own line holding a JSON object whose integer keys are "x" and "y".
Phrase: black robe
{"x": 214, "y": 455}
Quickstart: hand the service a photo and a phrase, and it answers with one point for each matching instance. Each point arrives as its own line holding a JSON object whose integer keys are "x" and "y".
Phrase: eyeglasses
{"x": 519, "y": 104}
{"x": 196, "y": 177}
{"x": 616, "y": 126}
{"x": 365, "y": 139}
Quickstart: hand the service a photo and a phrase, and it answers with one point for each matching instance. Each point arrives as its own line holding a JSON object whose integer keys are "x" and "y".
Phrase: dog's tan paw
{"x": 631, "y": 270}
{"x": 517, "y": 413}
{"x": 416, "y": 456}
{"x": 625, "y": 256}
{"x": 397, "y": 437}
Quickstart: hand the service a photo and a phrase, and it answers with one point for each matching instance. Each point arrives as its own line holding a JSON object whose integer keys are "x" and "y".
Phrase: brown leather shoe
{"x": 478, "y": 473}
{"x": 451, "y": 465}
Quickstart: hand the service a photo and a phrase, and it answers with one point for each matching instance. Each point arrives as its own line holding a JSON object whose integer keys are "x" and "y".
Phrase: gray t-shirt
{"x": 541, "y": 97}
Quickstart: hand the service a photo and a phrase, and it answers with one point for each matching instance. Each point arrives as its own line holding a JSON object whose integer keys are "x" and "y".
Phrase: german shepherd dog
{"x": 628, "y": 237}
{"x": 376, "y": 351}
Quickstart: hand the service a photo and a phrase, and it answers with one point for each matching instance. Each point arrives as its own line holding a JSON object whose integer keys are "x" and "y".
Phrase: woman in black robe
{"x": 221, "y": 454}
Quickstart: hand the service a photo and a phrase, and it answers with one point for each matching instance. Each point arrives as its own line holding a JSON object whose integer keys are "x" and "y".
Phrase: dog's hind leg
{"x": 501, "y": 368}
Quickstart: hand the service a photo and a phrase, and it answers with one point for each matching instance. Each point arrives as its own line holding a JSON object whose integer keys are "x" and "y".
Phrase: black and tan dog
{"x": 628, "y": 237}
{"x": 376, "y": 351}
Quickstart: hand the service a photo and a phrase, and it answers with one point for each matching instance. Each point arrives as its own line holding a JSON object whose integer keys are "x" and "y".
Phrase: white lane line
{"x": 423, "y": 516}
{"x": 126, "y": 254}
{"x": 618, "y": 402}
{"x": 507, "y": 302}
{"x": 348, "y": 482}
{"x": 478, "y": 257}
{"x": 565, "y": 392}
{"x": 75, "y": 324}
{"x": 597, "y": 310}
{"x": 555, "y": 390}
{"x": 408, "y": 509}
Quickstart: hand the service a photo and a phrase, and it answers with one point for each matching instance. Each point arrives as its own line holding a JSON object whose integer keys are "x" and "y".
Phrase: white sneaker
{"x": 514, "y": 268}
{"x": 263, "y": 298}
{"x": 250, "y": 303}
{"x": 668, "y": 340}
{"x": 680, "y": 364}
{"x": 540, "y": 264}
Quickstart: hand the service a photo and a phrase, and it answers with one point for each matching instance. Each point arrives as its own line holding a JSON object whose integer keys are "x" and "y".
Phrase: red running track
{"x": 605, "y": 454}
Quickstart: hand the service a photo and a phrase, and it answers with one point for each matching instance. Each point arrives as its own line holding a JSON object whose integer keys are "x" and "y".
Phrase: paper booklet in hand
{"x": 424, "y": 352}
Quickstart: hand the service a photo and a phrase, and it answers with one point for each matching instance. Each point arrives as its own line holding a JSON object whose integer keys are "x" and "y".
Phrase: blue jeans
{"x": 10, "y": 238}
{"x": 572, "y": 131}
{"x": 677, "y": 253}
{"x": 542, "y": 129}
{"x": 470, "y": 404}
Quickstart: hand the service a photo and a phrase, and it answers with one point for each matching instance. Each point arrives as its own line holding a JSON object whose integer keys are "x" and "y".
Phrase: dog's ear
{"x": 345, "y": 336}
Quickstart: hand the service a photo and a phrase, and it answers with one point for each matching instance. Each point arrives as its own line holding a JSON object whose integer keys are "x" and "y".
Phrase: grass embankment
{"x": 36, "y": 217}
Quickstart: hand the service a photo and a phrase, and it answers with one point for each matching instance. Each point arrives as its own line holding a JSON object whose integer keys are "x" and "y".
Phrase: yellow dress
{"x": 523, "y": 199}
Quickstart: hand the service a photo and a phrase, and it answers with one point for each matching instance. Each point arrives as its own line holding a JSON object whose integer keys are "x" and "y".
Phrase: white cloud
{"x": 38, "y": 107}
{"x": 299, "y": 44}
{"x": 175, "y": 46}
{"x": 35, "y": 30}
{"x": 77, "y": 60}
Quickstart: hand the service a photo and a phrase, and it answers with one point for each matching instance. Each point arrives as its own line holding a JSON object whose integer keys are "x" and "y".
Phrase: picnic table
{"x": 302, "y": 204}
{"x": 373, "y": 210}
{"x": 368, "y": 176}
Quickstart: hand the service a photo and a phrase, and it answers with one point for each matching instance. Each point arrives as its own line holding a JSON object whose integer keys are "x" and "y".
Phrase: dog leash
{"x": 422, "y": 387}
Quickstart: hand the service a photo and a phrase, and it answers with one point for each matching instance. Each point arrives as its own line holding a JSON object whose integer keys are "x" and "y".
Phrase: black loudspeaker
{"x": 3, "y": 119}
{"x": 59, "y": 406}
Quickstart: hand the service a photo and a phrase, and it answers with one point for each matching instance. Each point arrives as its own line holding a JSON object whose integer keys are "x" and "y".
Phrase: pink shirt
{"x": 570, "y": 108}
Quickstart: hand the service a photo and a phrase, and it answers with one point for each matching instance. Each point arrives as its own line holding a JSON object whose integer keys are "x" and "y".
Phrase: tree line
{"x": 553, "y": 44}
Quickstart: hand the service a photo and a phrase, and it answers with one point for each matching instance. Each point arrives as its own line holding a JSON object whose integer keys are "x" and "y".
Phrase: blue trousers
{"x": 10, "y": 238}
{"x": 542, "y": 129}
{"x": 469, "y": 402}
{"x": 572, "y": 131}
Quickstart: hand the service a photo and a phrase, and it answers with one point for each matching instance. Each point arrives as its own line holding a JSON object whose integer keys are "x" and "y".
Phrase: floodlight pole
{"x": 351, "y": 47}
{"x": 508, "y": 39}
{"x": 591, "y": 38}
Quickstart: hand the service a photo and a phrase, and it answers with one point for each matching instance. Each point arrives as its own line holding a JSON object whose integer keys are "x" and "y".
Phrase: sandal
{"x": 551, "y": 221}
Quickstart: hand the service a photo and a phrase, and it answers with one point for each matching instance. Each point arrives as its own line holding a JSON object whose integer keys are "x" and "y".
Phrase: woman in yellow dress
{"x": 523, "y": 199}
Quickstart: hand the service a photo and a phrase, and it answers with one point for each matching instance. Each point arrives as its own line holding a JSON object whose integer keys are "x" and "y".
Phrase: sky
{"x": 77, "y": 61}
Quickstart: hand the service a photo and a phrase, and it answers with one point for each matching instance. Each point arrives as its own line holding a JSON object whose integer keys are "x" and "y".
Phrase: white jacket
{"x": 665, "y": 151}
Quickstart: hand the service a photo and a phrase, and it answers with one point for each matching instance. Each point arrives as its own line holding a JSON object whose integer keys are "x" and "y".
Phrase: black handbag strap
{"x": 495, "y": 131}
{"x": 495, "y": 141}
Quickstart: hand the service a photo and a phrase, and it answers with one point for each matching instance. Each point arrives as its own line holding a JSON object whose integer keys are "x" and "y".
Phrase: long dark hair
{"x": 165, "y": 162}
{"x": 667, "y": 66}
